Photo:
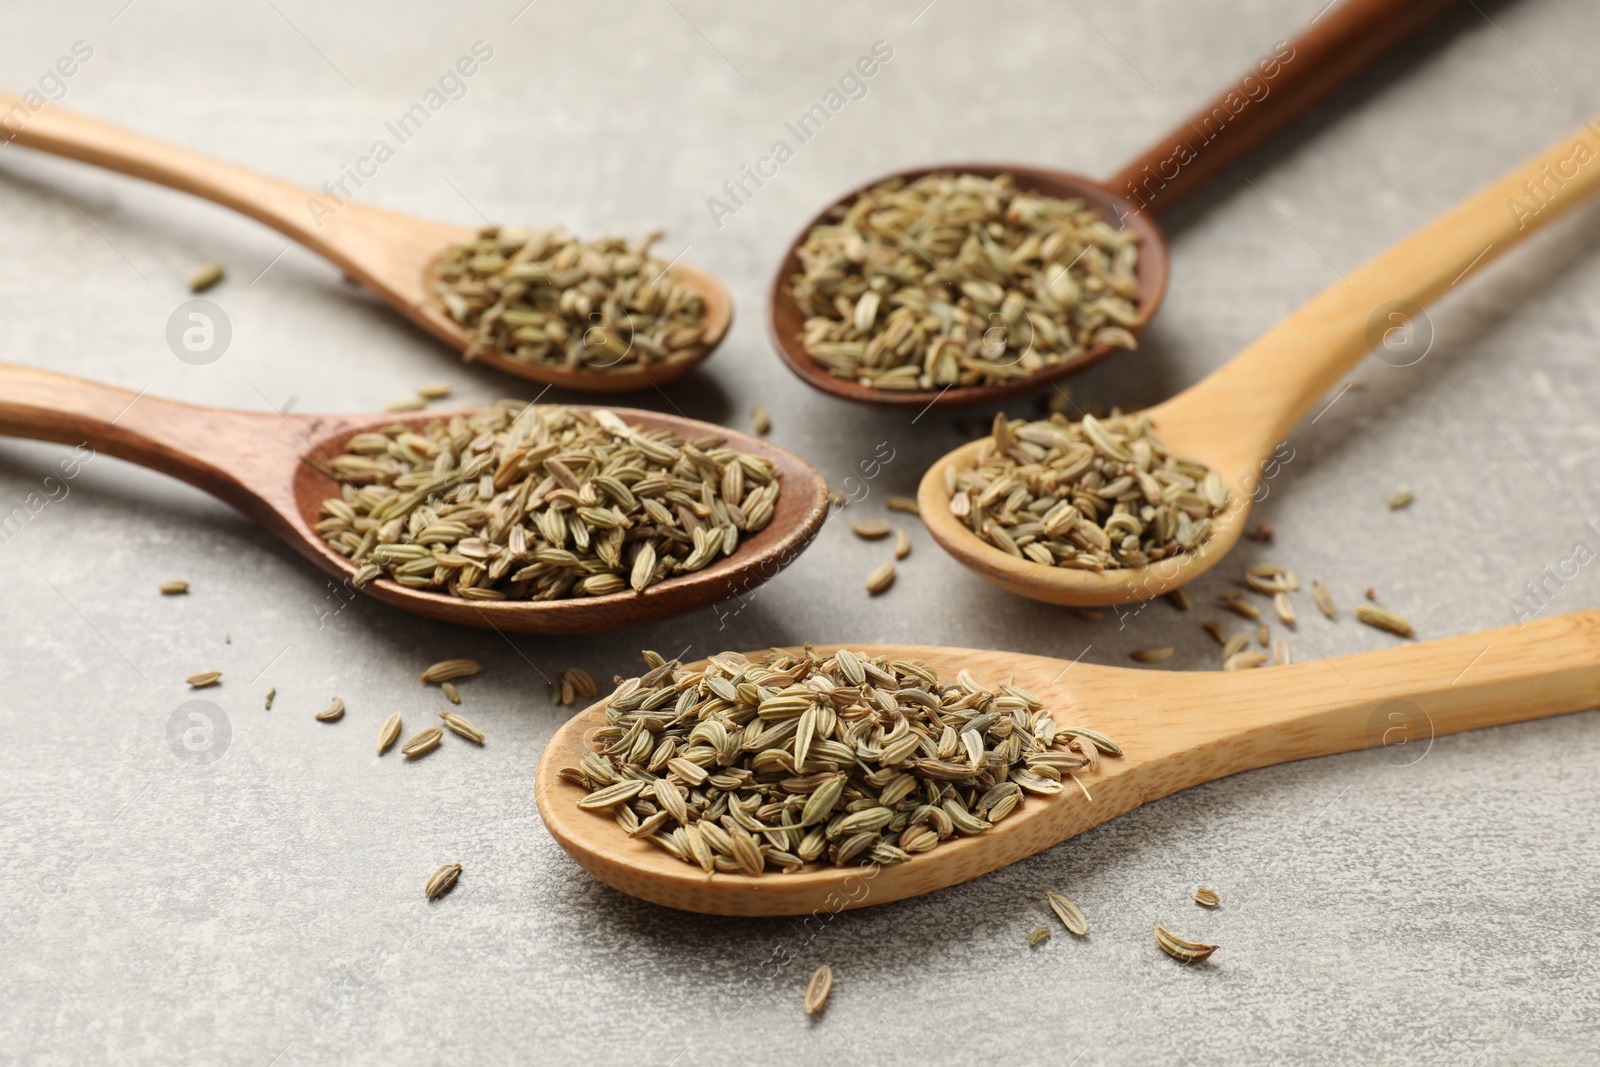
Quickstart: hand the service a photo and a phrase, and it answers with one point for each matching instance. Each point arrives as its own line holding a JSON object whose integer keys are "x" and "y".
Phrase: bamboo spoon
{"x": 1176, "y": 729}
{"x": 1232, "y": 420}
{"x": 394, "y": 255}
{"x": 1337, "y": 46}
{"x": 253, "y": 461}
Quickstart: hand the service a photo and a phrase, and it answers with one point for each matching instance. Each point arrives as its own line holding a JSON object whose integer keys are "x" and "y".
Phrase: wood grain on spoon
{"x": 392, "y": 254}
{"x": 1176, "y": 729}
{"x": 1341, "y": 42}
{"x": 253, "y": 461}
{"x": 1233, "y": 420}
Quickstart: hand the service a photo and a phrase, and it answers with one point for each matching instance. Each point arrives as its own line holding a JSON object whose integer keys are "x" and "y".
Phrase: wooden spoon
{"x": 1234, "y": 419}
{"x": 1339, "y": 44}
{"x": 394, "y": 255}
{"x": 1176, "y": 729}
{"x": 253, "y": 461}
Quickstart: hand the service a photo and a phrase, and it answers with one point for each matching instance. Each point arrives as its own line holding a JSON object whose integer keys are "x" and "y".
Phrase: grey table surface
{"x": 263, "y": 905}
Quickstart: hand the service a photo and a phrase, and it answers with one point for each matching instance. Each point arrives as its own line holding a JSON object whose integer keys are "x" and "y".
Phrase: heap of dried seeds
{"x": 746, "y": 766}
{"x": 542, "y": 296}
{"x": 963, "y": 280}
{"x": 1088, "y": 495}
{"x": 540, "y": 503}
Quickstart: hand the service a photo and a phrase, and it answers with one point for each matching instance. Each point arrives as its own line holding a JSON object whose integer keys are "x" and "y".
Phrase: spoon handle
{"x": 1240, "y": 720}
{"x": 381, "y": 249}
{"x": 235, "y": 455}
{"x": 1261, "y": 393}
{"x": 64, "y": 133}
{"x": 1340, "y": 43}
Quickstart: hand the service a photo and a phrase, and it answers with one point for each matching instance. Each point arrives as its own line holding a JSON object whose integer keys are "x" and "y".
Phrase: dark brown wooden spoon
{"x": 1339, "y": 44}
{"x": 255, "y": 461}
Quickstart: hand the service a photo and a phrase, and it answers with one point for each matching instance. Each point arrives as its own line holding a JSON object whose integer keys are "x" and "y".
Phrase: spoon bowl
{"x": 787, "y": 321}
{"x": 257, "y": 462}
{"x": 391, "y": 254}
{"x": 1342, "y": 41}
{"x": 1236, "y": 420}
{"x": 1176, "y": 729}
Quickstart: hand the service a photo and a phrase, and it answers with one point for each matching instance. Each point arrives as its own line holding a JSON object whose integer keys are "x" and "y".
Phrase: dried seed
{"x": 1285, "y": 609}
{"x": 435, "y": 390}
{"x": 1233, "y": 646}
{"x": 880, "y": 579}
{"x": 1261, "y": 533}
{"x": 1180, "y": 598}
{"x": 1263, "y": 635}
{"x": 410, "y": 403}
{"x": 174, "y": 588}
{"x": 818, "y": 988}
{"x": 1217, "y": 631}
{"x": 1094, "y": 737}
{"x": 871, "y": 531}
{"x": 1280, "y": 652}
{"x": 1150, "y": 655}
{"x": 451, "y": 693}
{"x": 388, "y": 733}
{"x": 905, "y": 504}
{"x": 206, "y": 277}
{"x": 1240, "y": 607}
{"x": 1324, "y": 599}
{"x": 422, "y": 743}
{"x": 1038, "y": 936}
{"x": 450, "y": 669}
{"x": 540, "y": 503}
{"x": 461, "y": 727}
{"x": 1181, "y": 950}
{"x": 1381, "y": 618}
{"x": 334, "y": 712}
{"x": 1206, "y": 898}
{"x": 1401, "y": 499}
{"x": 1090, "y": 495}
{"x": 442, "y": 881}
{"x": 1244, "y": 661}
{"x": 543, "y": 297}
{"x": 272, "y": 694}
{"x": 761, "y": 421}
{"x": 1070, "y": 914}
{"x": 796, "y": 750}
{"x": 1371, "y": 594}
{"x": 204, "y": 680}
{"x": 902, "y": 544}
{"x": 1023, "y": 282}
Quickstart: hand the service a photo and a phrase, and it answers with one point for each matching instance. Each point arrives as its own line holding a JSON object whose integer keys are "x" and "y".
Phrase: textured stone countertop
{"x": 265, "y": 907}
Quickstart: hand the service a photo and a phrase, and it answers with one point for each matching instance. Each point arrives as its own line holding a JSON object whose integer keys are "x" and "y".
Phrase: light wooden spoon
{"x": 394, "y": 255}
{"x": 1343, "y": 40}
{"x": 254, "y": 461}
{"x": 1234, "y": 419}
{"x": 1176, "y": 729}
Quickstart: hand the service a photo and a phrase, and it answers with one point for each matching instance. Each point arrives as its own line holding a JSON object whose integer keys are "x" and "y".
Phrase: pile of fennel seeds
{"x": 1091, "y": 495}
{"x": 767, "y": 764}
{"x": 542, "y": 296}
{"x": 528, "y": 502}
{"x": 961, "y": 280}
